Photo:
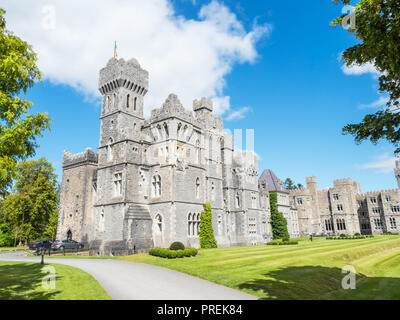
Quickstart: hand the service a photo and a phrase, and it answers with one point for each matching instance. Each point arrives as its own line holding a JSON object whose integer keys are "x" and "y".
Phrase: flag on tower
{"x": 115, "y": 50}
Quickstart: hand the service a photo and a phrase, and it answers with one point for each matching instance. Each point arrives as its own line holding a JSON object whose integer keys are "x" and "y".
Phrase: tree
{"x": 30, "y": 209}
{"x": 18, "y": 129}
{"x": 206, "y": 234}
{"x": 290, "y": 185}
{"x": 278, "y": 221}
{"x": 377, "y": 26}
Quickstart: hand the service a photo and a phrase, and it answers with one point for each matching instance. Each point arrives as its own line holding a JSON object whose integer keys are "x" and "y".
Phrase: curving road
{"x": 124, "y": 280}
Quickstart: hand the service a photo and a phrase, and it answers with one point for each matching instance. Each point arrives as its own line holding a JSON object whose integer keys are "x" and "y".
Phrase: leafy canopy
{"x": 30, "y": 210}
{"x": 18, "y": 129}
{"x": 290, "y": 185}
{"x": 377, "y": 26}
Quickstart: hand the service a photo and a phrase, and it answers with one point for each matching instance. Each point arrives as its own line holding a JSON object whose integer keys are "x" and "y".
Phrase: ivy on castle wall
{"x": 278, "y": 221}
{"x": 206, "y": 234}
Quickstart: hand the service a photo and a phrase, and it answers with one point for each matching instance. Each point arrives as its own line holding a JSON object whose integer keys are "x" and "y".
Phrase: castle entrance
{"x": 69, "y": 235}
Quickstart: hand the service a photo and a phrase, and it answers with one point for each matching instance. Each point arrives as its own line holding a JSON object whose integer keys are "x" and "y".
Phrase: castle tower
{"x": 397, "y": 172}
{"x": 120, "y": 204}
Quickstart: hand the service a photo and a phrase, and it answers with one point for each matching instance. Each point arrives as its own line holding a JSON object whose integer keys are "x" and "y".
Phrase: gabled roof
{"x": 271, "y": 181}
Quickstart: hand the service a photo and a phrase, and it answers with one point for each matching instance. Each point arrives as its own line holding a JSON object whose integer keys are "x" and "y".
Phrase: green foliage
{"x": 284, "y": 242}
{"x": 30, "y": 210}
{"x": 290, "y": 185}
{"x": 355, "y": 237}
{"x": 18, "y": 129}
{"x": 278, "y": 221}
{"x": 177, "y": 246}
{"x": 377, "y": 28}
{"x": 173, "y": 254}
{"x": 206, "y": 234}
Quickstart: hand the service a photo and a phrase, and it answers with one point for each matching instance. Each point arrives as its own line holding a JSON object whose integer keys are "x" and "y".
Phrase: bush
{"x": 282, "y": 243}
{"x": 286, "y": 239}
{"x": 343, "y": 235}
{"x": 177, "y": 246}
{"x": 357, "y": 234}
{"x": 206, "y": 234}
{"x": 173, "y": 254}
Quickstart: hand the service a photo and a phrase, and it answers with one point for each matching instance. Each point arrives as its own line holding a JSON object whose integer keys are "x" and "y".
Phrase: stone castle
{"x": 148, "y": 182}
{"x": 146, "y": 185}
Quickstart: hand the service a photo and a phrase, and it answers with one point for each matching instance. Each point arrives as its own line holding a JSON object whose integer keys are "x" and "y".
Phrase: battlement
{"x": 172, "y": 107}
{"x": 376, "y": 193}
{"x": 203, "y": 104}
{"x": 121, "y": 73}
{"x": 312, "y": 179}
{"x": 299, "y": 192}
{"x": 78, "y": 159}
{"x": 341, "y": 182}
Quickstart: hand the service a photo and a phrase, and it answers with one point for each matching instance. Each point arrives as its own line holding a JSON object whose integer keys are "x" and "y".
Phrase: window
{"x": 388, "y": 198}
{"x": 335, "y": 197}
{"x": 134, "y": 103}
{"x": 373, "y": 200}
{"x": 198, "y": 188}
{"x": 118, "y": 184}
{"x": 340, "y": 207}
{"x": 237, "y": 201}
{"x": 359, "y": 202}
{"x": 127, "y": 101}
{"x": 393, "y": 224}
{"x": 395, "y": 208}
{"x": 299, "y": 201}
{"x": 212, "y": 191}
{"x": 254, "y": 200}
{"x": 376, "y": 210}
{"x": 158, "y": 223}
{"x": 341, "y": 225}
{"x": 252, "y": 226}
{"x": 109, "y": 149}
{"x": 328, "y": 225}
{"x": 193, "y": 224}
{"x": 156, "y": 186}
{"x": 378, "y": 224}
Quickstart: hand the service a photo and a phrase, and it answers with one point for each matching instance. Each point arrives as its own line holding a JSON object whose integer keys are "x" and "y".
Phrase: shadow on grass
{"x": 320, "y": 283}
{"x": 23, "y": 281}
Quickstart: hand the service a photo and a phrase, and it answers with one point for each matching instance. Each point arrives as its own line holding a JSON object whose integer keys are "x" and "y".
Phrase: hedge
{"x": 173, "y": 254}
{"x": 349, "y": 237}
{"x": 282, "y": 243}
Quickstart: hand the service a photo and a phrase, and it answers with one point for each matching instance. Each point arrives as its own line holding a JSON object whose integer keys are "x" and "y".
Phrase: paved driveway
{"x": 124, "y": 280}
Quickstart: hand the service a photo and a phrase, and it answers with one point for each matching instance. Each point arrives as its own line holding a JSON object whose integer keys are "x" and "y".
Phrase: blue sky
{"x": 288, "y": 84}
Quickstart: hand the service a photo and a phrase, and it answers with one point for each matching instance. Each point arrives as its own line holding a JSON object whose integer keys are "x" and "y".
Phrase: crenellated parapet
{"x": 172, "y": 107}
{"x": 127, "y": 74}
{"x": 342, "y": 182}
{"x": 78, "y": 159}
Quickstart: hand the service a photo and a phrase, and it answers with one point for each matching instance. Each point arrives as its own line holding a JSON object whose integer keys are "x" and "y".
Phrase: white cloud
{"x": 238, "y": 114}
{"x": 189, "y": 57}
{"x": 381, "y": 102}
{"x": 383, "y": 163}
{"x": 356, "y": 69}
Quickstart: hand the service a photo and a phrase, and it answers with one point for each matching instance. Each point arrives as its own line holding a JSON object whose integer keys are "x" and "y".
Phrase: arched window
{"x": 198, "y": 188}
{"x": 156, "y": 186}
{"x": 127, "y": 100}
{"x": 212, "y": 191}
{"x": 109, "y": 149}
{"x": 237, "y": 200}
{"x": 158, "y": 223}
{"x": 190, "y": 224}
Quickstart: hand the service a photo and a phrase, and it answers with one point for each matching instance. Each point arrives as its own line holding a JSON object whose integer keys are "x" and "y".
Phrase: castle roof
{"x": 271, "y": 181}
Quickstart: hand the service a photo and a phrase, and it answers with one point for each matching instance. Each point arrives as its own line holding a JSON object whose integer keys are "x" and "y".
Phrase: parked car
{"x": 40, "y": 244}
{"x": 66, "y": 244}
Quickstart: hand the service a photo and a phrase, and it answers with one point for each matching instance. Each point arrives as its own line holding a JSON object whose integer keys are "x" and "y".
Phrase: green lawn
{"x": 23, "y": 281}
{"x": 309, "y": 270}
{"x": 9, "y": 249}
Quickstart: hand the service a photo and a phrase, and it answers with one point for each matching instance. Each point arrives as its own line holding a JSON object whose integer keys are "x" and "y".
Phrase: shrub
{"x": 357, "y": 234}
{"x": 278, "y": 221}
{"x": 206, "y": 234}
{"x": 286, "y": 239}
{"x": 282, "y": 243}
{"x": 177, "y": 246}
{"x": 173, "y": 254}
{"x": 343, "y": 235}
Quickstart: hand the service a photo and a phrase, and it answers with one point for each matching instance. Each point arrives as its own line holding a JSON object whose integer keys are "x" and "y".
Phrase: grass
{"x": 12, "y": 249}
{"x": 23, "y": 281}
{"x": 309, "y": 270}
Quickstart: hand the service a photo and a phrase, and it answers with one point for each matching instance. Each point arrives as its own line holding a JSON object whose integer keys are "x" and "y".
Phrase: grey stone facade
{"x": 344, "y": 209}
{"x": 147, "y": 184}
